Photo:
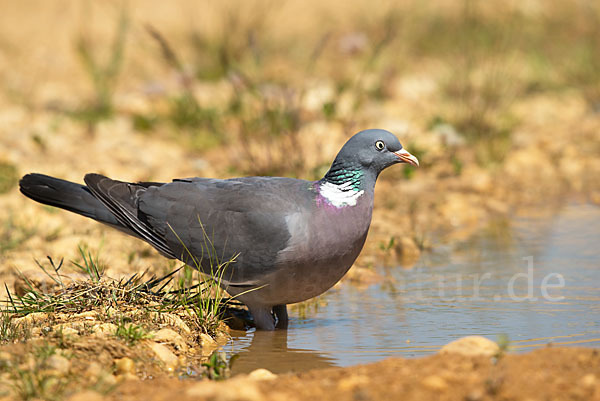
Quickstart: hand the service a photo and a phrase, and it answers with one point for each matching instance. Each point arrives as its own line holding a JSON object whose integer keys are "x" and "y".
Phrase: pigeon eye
{"x": 379, "y": 145}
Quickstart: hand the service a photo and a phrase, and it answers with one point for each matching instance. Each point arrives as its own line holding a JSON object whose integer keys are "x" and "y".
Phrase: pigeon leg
{"x": 263, "y": 318}
{"x": 282, "y": 316}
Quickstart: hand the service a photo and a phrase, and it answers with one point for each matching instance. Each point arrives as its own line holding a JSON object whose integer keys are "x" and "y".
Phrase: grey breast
{"x": 323, "y": 246}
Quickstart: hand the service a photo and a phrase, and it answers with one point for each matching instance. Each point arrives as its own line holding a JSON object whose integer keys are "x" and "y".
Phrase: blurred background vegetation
{"x": 257, "y": 75}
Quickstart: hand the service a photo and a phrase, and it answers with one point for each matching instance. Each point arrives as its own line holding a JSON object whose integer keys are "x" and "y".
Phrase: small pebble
{"x": 103, "y": 330}
{"x": 165, "y": 355}
{"x": 59, "y": 363}
{"x": 208, "y": 344}
{"x": 435, "y": 383}
{"x": 262, "y": 374}
{"x": 94, "y": 370}
{"x": 124, "y": 366}
{"x": 31, "y": 319}
{"x": 171, "y": 337}
{"x": 471, "y": 346}
{"x": 66, "y": 331}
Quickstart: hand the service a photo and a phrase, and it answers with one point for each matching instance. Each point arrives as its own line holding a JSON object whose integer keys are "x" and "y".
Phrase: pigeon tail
{"x": 66, "y": 195}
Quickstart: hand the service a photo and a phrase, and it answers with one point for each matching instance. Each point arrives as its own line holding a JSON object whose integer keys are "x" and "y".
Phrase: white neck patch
{"x": 340, "y": 195}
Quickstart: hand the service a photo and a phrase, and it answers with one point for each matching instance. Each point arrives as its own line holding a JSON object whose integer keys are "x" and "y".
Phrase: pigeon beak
{"x": 406, "y": 157}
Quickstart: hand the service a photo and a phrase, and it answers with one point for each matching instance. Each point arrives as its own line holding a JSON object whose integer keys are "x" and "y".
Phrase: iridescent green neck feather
{"x": 344, "y": 174}
{"x": 342, "y": 186}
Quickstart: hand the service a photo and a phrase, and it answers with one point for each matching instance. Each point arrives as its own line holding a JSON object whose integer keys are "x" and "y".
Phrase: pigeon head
{"x": 358, "y": 164}
{"x": 369, "y": 151}
{"x": 376, "y": 149}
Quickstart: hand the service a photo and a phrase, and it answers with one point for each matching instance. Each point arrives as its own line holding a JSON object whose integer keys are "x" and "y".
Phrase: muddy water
{"x": 535, "y": 280}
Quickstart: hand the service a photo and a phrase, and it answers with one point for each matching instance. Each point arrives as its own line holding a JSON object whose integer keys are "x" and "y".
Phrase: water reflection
{"x": 490, "y": 285}
{"x": 270, "y": 350}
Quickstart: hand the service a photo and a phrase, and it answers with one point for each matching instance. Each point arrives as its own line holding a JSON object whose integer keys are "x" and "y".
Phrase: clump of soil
{"x": 63, "y": 335}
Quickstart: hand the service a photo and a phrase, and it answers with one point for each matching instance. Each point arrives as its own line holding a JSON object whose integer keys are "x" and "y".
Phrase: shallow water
{"x": 414, "y": 312}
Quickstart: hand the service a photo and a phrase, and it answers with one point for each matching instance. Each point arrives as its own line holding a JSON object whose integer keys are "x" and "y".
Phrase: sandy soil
{"x": 546, "y": 374}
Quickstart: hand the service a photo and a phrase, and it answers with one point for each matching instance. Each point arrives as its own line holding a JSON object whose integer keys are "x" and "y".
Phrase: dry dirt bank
{"x": 545, "y": 374}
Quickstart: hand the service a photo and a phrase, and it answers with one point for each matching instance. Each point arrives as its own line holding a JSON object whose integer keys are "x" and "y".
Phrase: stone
{"x": 69, "y": 331}
{"x": 93, "y": 371}
{"x": 103, "y": 330}
{"x": 222, "y": 337}
{"x": 261, "y": 374}
{"x": 124, "y": 366}
{"x": 109, "y": 380}
{"x": 164, "y": 355}
{"x": 79, "y": 326}
{"x": 66, "y": 331}
{"x": 472, "y": 346}
{"x": 32, "y": 318}
{"x": 208, "y": 344}
{"x": 59, "y": 364}
{"x": 171, "y": 337}
{"x": 434, "y": 382}
{"x": 123, "y": 378}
